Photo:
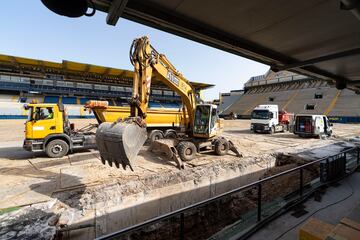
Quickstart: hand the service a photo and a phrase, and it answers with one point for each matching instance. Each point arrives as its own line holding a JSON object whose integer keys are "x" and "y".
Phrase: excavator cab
{"x": 206, "y": 122}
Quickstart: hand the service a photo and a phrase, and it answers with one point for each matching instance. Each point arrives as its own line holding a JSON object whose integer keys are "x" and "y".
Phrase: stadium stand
{"x": 51, "y": 99}
{"x": 24, "y": 80}
{"x": 155, "y": 105}
{"x": 298, "y": 94}
{"x": 226, "y": 99}
{"x": 69, "y": 100}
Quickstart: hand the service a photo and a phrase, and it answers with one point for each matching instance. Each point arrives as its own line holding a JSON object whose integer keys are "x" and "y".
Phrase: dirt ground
{"x": 23, "y": 172}
{"x": 28, "y": 178}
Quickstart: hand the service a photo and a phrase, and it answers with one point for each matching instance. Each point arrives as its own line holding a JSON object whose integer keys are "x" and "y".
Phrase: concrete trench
{"x": 113, "y": 208}
{"x": 118, "y": 206}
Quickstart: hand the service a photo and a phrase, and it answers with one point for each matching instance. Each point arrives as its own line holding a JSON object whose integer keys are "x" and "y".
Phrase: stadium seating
{"x": 155, "y": 105}
{"x": 84, "y": 100}
{"x": 170, "y": 105}
{"x": 325, "y": 100}
{"x": 69, "y": 100}
{"x": 121, "y": 102}
{"x": 227, "y": 100}
{"x": 348, "y": 104}
{"x": 307, "y": 96}
{"x": 51, "y": 99}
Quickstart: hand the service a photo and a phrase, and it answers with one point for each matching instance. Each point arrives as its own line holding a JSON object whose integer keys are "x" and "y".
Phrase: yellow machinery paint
{"x": 156, "y": 117}
{"x": 39, "y": 129}
{"x": 48, "y": 130}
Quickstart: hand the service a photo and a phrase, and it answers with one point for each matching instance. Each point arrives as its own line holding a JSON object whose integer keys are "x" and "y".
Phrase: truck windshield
{"x": 260, "y": 114}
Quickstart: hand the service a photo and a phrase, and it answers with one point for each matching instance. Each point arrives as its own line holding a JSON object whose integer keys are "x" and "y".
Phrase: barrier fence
{"x": 273, "y": 195}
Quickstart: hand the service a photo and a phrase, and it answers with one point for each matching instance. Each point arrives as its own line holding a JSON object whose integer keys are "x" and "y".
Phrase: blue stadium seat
{"x": 69, "y": 100}
{"x": 171, "y": 105}
{"x": 51, "y": 99}
{"x": 22, "y": 99}
{"x": 110, "y": 101}
{"x": 84, "y": 100}
{"x": 155, "y": 105}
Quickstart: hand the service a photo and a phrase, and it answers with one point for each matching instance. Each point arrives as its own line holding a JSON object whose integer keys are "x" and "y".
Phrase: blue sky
{"x": 29, "y": 29}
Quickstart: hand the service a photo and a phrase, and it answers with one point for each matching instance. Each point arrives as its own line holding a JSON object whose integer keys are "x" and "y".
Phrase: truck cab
{"x": 264, "y": 118}
{"x": 49, "y": 130}
{"x": 43, "y": 120}
{"x": 268, "y": 118}
{"x": 308, "y": 125}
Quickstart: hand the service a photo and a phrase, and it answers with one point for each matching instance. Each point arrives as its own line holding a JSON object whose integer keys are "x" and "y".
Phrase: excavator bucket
{"x": 120, "y": 143}
{"x": 167, "y": 148}
{"x": 234, "y": 149}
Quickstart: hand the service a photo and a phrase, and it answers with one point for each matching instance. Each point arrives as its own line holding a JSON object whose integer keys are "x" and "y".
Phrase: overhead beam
{"x": 312, "y": 61}
{"x": 153, "y": 15}
{"x": 115, "y": 11}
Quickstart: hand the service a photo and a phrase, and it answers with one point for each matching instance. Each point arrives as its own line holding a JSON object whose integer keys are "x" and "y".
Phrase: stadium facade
{"x": 293, "y": 93}
{"x": 23, "y": 80}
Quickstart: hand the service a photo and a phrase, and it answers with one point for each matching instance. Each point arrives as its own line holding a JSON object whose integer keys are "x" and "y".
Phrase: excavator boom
{"x": 120, "y": 142}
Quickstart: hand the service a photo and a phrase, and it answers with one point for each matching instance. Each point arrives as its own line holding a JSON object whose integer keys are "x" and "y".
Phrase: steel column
{"x": 259, "y": 202}
{"x": 301, "y": 181}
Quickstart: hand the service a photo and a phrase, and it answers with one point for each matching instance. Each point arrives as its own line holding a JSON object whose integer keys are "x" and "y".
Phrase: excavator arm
{"x": 120, "y": 142}
{"x": 146, "y": 61}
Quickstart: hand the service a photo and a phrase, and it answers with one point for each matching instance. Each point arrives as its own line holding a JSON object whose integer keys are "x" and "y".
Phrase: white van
{"x": 312, "y": 125}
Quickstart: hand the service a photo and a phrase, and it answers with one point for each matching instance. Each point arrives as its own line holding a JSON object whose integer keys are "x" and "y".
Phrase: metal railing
{"x": 354, "y": 154}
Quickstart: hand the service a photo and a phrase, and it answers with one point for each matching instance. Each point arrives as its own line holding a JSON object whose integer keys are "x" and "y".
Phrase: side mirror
{"x": 331, "y": 124}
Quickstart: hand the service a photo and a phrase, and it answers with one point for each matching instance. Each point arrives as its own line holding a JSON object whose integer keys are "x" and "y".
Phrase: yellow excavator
{"x": 120, "y": 142}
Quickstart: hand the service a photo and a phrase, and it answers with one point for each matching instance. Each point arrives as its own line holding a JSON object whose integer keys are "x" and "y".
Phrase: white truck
{"x": 268, "y": 118}
{"x": 308, "y": 125}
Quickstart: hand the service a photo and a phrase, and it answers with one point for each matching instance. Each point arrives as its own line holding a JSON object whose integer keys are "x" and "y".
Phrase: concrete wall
{"x": 117, "y": 211}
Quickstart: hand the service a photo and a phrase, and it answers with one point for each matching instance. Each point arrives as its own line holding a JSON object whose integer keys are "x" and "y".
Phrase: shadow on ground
{"x": 52, "y": 184}
{"x": 17, "y": 153}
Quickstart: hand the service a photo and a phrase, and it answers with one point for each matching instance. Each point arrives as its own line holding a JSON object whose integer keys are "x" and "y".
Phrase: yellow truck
{"x": 161, "y": 122}
{"x": 49, "y": 130}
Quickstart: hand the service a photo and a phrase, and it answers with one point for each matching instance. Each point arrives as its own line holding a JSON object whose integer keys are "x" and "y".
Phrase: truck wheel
{"x": 329, "y": 133}
{"x": 221, "y": 146}
{"x": 170, "y": 134}
{"x": 186, "y": 150}
{"x": 57, "y": 148}
{"x": 272, "y": 130}
{"x": 155, "y": 135}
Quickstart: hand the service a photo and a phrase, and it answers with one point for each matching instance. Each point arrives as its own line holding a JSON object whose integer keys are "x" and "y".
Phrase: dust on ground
{"x": 75, "y": 181}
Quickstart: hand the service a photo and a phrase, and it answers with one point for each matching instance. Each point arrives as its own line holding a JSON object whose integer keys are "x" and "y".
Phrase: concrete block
{"x": 315, "y": 229}
{"x": 343, "y": 232}
{"x": 351, "y": 223}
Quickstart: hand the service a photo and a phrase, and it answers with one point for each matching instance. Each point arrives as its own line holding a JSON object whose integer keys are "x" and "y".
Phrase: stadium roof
{"x": 78, "y": 68}
{"x": 313, "y": 37}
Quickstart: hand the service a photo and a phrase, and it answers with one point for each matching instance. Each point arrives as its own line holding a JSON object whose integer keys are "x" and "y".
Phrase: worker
{"x": 51, "y": 114}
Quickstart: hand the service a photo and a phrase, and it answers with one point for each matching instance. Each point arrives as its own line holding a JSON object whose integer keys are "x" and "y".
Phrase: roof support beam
{"x": 317, "y": 60}
{"x": 115, "y": 11}
{"x": 351, "y": 5}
